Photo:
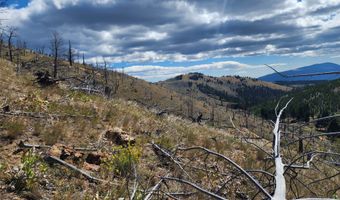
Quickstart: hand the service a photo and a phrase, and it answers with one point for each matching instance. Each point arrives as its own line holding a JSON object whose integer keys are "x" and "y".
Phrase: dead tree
{"x": 1, "y": 42}
{"x": 84, "y": 59}
{"x": 70, "y": 53}
{"x": 105, "y": 71}
{"x": 56, "y": 46}
{"x": 11, "y": 33}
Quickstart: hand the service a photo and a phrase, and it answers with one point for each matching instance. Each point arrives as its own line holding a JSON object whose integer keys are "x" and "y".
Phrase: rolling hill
{"x": 317, "y": 68}
{"x": 236, "y": 90}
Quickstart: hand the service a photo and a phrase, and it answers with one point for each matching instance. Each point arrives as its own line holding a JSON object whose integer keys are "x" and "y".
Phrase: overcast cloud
{"x": 174, "y": 30}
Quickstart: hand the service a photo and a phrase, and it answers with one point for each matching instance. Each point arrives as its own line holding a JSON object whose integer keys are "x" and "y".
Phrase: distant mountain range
{"x": 317, "y": 68}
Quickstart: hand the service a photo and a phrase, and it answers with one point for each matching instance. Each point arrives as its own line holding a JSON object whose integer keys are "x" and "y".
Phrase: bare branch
{"x": 250, "y": 177}
{"x": 195, "y": 186}
{"x": 87, "y": 175}
{"x": 302, "y": 75}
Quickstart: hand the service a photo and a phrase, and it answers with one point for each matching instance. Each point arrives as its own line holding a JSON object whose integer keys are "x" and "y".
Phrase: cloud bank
{"x": 183, "y": 30}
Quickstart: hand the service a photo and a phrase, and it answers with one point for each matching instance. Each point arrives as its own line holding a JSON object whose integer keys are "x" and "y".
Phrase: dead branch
{"x": 85, "y": 174}
{"x": 165, "y": 153}
{"x": 195, "y": 186}
{"x": 302, "y": 75}
{"x": 249, "y": 142}
{"x": 312, "y": 155}
{"x": 154, "y": 189}
{"x": 250, "y": 177}
{"x": 312, "y": 136}
{"x": 135, "y": 184}
{"x": 24, "y": 145}
{"x": 88, "y": 90}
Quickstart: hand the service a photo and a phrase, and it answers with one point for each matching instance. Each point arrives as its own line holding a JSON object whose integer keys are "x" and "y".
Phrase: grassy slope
{"x": 21, "y": 94}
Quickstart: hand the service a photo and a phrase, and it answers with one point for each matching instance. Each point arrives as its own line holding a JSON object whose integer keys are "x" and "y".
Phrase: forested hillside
{"x": 309, "y": 103}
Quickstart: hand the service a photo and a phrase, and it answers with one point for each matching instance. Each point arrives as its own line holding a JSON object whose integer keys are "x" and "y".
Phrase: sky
{"x": 159, "y": 39}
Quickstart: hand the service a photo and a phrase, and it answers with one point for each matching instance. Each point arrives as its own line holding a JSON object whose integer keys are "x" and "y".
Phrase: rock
{"x": 119, "y": 137}
{"x": 91, "y": 167}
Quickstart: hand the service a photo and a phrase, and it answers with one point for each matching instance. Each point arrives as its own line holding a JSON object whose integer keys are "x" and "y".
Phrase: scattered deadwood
{"x": 39, "y": 115}
{"x": 244, "y": 172}
{"x": 163, "y": 152}
{"x": 154, "y": 189}
{"x": 215, "y": 196}
{"x": 52, "y": 159}
{"x": 88, "y": 90}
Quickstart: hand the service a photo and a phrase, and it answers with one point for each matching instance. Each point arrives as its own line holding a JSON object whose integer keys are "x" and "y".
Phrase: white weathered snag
{"x": 280, "y": 182}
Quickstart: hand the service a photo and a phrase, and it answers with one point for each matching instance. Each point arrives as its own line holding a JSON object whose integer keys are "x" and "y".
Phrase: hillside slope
{"x": 75, "y": 127}
{"x": 317, "y": 68}
{"x": 227, "y": 89}
{"x": 61, "y": 118}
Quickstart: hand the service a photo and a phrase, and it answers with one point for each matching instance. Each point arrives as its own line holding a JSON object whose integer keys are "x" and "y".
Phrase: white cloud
{"x": 185, "y": 30}
{"x": 155, "y": 71}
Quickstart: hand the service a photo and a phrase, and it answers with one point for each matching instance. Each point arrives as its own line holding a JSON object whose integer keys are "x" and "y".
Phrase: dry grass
{"x": 168, "y": 131}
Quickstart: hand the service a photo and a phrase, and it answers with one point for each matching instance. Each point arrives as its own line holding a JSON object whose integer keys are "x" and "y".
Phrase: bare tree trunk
{"x": 56, "y": 44}
{"x": 11, "y": 35}
{"x": 70, "y": 53}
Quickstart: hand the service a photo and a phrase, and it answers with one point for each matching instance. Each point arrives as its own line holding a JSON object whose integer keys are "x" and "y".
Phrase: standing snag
{"x": 11, "y": 33}
{"x": 56, "y": 46}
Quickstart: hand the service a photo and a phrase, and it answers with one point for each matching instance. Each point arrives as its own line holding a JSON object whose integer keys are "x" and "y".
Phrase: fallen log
{"x": 82, "y": 172}
{"x": 39, "y": 115}
{"x": 85, "y": 89}
{"x": 23, "y": 145}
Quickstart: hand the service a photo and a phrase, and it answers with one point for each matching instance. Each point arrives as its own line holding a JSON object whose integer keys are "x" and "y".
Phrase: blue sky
{"x": 156, "y": 40}
{"x": 18, "y": 3}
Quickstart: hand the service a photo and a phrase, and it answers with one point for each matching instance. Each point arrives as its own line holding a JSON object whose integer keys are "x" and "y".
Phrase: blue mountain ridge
{"x": 316, "y": 68}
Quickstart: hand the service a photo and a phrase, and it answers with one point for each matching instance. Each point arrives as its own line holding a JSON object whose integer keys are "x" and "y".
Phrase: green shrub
{"x": 121, "y": 163}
